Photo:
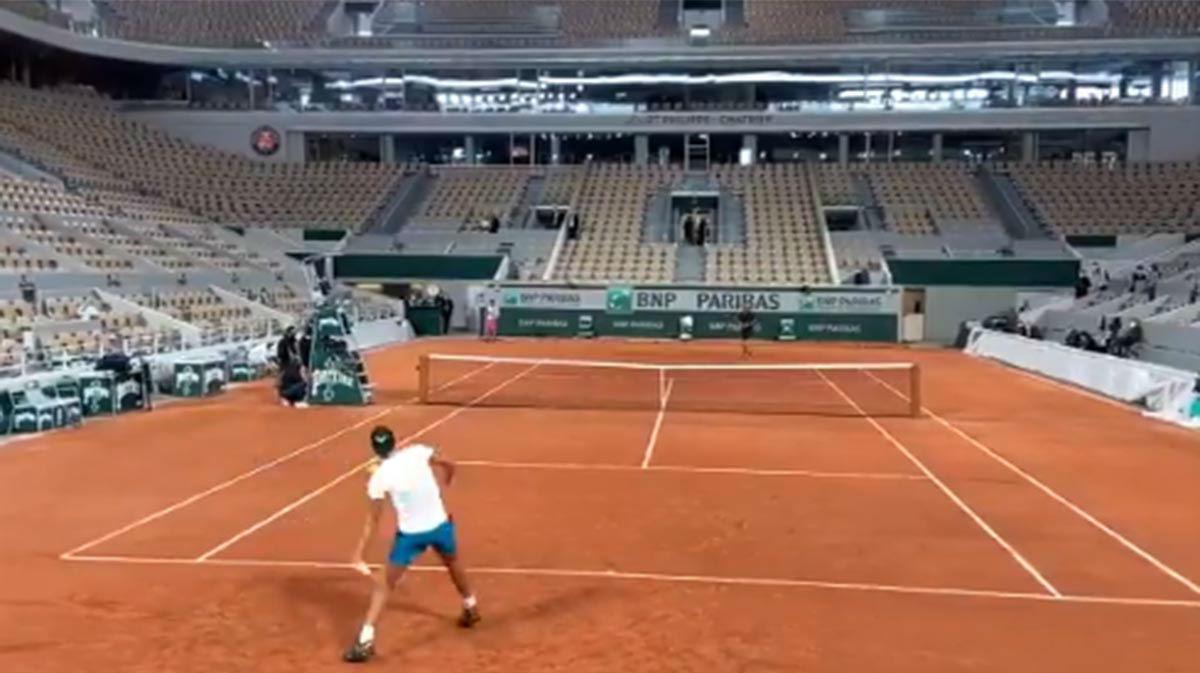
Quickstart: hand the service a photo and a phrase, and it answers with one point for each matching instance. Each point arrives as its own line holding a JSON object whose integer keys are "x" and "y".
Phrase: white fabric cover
{"x": 1165, "y": 391}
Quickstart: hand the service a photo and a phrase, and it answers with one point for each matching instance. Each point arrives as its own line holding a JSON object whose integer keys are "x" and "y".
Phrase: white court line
{"x": 357, "y": 468}
{"x": 248, "y": 474}
{"x": 666, "y": 578}
{"x": 685, "y": 469}
{"x": 1055, "y": 495}
{"x": 966, "y": 509}
{"x": 658, "y": 421}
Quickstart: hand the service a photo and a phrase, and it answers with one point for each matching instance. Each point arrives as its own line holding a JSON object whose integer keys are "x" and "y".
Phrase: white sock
{"x": 469, "y": 602}
{"x": 367, "y": 634}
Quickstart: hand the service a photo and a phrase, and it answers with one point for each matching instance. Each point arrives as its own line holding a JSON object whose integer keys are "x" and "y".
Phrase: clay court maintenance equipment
{"x": 338, "y": 375}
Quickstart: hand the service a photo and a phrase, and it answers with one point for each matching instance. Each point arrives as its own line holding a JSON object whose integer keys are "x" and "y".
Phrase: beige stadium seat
{"x": 132, "y": 171}
{"x": 1076, "y": 199}
{"x": 217, "y": 22}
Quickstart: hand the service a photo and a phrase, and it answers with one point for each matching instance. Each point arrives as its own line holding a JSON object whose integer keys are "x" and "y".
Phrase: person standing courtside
{"x": 291, "y": 384}
{"x": 746, "y": 320}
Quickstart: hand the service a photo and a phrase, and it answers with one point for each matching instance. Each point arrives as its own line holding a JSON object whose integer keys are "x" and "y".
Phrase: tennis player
{"x": 491, "y": 321}
{"x": 746, "y": 320}
{"x": 410, "y": 478}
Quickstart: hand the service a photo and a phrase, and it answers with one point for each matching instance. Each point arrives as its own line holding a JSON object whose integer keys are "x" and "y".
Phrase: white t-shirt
{"x": 407, "y": 477}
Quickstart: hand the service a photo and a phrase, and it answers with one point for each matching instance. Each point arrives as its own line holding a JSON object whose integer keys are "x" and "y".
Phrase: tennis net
{"x": 824, "y": 389}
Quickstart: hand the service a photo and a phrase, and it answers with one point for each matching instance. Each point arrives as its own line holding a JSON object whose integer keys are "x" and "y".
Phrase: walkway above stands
{"x": 528, "y": 249}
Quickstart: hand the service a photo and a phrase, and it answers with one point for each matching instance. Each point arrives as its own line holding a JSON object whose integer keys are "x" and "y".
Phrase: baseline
{"x": 666, "y": 578}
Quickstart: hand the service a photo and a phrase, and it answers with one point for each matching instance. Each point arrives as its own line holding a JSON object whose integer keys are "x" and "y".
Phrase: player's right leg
{"x": 364, "y": 646}
{"x": 445, "y": 543}
{"x": 405, "y": 549}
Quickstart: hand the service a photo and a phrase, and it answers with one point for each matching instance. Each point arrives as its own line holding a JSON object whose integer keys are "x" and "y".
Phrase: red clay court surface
{"x": 1015, "y": 526}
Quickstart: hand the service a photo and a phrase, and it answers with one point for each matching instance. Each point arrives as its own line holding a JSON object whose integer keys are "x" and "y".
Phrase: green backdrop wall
{"x": 414, "y": 267}
{"x": 829, "y": 314}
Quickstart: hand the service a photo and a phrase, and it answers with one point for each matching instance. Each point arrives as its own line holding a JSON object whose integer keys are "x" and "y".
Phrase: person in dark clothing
{"x": 442, "y": 303}
{"x": 689, "y": 229}
{"x": 28, "y": 290}
{"x": 286, "y": 350}
{"x": 1194, "y": 294}
{"x": 1114, "y": 332}
{"x": 746, "y": 320}
{"x": 702, "y": 231}
{"x": 447, "y": 312}
{"x": 1083, "y": 285}
{"x": 305, "y": 349}
{"x": 292, "y": 386}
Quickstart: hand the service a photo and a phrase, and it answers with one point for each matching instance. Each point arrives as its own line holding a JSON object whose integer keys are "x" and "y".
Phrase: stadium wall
{"x": 659, "y": 311}
{"x": 946, "y": 308}
{"x": 985, "y": 272}
{"x": 227, "y": 131}
{"x": 396, "y": 268}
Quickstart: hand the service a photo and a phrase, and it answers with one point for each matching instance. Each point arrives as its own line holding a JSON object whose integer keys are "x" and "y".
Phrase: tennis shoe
{"x": 469, "y": 618}
{"x": 359, "y": 652}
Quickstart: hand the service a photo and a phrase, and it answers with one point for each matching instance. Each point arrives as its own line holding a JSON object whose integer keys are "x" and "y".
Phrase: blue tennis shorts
{"x": 408, "y": 546}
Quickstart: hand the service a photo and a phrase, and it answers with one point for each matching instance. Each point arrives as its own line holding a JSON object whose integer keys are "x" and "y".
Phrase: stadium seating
{"x": 1075, "y": 199}
{"x": 280, "y": 298}
{"x": 36, "y": 10}
{"x": 240, "y": 23}
{"x": 855, "y": 251}
{"x": 141, "y": 172}
{"x": 204, "y": 308}
{"x": 107, "y": 233}
{"x": 468, "y": 196}
{"x": 783, "y": 239}
{"x": 1158, "y": 17}
{"x": 609, "y": 20}
{"x": 611, "y": 205}
{"x": 33, "y": 197}
{"x": 257, "y": 23}
{"x": 915, "y": 197}
{"x": 770, "y": 22}
{"x": 31, "y": 229}
{"x": 160, "y": 234}
{"x": 835, "y": 184}
{"x": 65, "y": 336}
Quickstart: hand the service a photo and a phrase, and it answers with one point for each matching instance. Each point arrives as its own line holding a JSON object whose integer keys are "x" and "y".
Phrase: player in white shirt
{"x": 409, "y": 477}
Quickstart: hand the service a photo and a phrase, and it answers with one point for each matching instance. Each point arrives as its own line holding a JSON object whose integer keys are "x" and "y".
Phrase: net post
{"x": 914, "y": 391}
{"x": 423, "y": 378}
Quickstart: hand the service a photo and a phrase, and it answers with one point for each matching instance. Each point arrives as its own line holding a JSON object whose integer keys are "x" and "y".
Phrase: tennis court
{"x": 623, "y": 518}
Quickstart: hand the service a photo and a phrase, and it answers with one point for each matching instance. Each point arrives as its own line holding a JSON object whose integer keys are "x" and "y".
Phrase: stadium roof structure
{"x": 658, "y": 51}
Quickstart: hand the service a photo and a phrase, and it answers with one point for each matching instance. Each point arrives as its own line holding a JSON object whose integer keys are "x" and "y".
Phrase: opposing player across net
{"x": 778, "y": 388}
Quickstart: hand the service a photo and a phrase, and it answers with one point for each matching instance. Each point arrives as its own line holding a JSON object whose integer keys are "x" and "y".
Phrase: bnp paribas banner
{"x": 625, "y": 300}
